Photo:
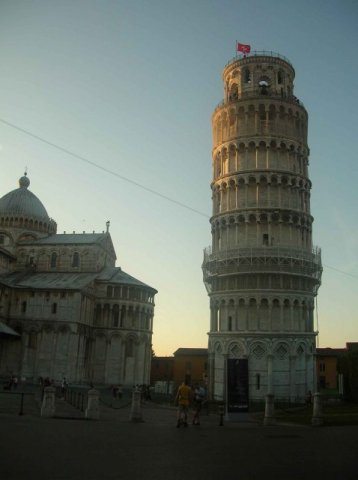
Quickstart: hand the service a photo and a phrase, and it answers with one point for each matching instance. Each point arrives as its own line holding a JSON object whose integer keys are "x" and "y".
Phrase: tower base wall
{"x": 283, "y": 367}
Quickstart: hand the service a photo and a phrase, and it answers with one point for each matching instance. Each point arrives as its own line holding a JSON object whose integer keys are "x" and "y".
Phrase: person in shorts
{"x": 182, "y": 399}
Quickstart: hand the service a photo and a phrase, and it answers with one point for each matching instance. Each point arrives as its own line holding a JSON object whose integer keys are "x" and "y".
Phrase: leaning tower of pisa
{"x": 261, "y": 272}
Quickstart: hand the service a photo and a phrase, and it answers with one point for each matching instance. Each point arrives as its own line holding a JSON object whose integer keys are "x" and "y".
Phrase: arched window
{"x": 247, "y": 76}
{"x": 129, "y": 347}
{"x": 32, "y": 340}
{"x": 279, "y": 77}
{"x": 98, "y": 314}
{"x": 54, "y": 308}
{"x": 76, "y": 260}
{"x": 233, "y": 92}
{"x": 53, "y": 263}
{"x": 264, "y": 86}
{"x": 23, "y": 307}
{"x": 123, "y": 316}
{"x": 115, "y": 316}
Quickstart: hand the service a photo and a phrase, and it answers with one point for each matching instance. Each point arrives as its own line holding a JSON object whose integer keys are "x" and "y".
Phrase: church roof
{"x": 6, "y": 330}
{"x": 68, "y": 280}
{"x": 117, "y": 275}
{"x": 5, "y": 252}
{"x": 48, "y": 281}
{"x": 71, "y": 238}
{"x": 22, "y": 202}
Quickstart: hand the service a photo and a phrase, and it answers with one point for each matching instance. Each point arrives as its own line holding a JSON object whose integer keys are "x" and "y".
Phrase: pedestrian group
{"x": 186, "y": 396}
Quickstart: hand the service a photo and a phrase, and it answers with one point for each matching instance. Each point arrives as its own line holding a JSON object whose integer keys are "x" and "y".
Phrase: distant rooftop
{"x": 330, "y": 352}
{"x": 191, "y": 351}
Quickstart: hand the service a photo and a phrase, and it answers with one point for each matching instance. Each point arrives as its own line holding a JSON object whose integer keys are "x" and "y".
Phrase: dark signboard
{"x": 237, "y": 385}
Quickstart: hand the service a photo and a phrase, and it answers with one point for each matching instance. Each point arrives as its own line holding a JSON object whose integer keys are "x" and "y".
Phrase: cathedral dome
{"x": 22, "y": 202}
{"x": 21, "y": 209}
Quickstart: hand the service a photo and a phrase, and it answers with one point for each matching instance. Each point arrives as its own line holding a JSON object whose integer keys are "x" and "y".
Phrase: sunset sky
{"x": 126, "y": 90}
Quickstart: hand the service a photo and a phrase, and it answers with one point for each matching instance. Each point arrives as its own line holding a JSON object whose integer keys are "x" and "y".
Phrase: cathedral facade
{"x": 262, "y": 272}
{"x": 66, "y": 310}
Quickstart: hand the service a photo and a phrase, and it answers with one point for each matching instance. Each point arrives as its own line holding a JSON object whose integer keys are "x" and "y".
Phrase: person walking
{"x": 199, "y": 394}
{"x": 182, "y": 399}
{"x": 64, "y": 386}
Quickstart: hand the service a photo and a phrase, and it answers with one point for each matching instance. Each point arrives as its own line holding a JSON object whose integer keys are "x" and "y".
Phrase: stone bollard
{"x": 269, "y": 410}
{"x": 48, "y": 402}
{"x": 136, "y": 410}
{"x": 317, "y": 417}
{"x": 92, "y": 410}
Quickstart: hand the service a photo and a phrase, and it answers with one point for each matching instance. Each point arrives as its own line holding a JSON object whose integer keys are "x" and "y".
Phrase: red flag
{"x": 240, "y": 47}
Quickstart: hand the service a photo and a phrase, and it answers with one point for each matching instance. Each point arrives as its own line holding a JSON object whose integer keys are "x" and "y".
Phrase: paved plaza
{"x": 71, "y": 448}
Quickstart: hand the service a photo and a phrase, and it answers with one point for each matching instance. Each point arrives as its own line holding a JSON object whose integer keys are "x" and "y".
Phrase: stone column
{"x": 213, "y": 325}
{"x": 211, "y": 376}
{"x": 48, "y": 403}
{"x": 136, "y": 409}
{"x": 225, "y": 392}
{"x": 246, "y": 314}
{"x": 292, "y": 378}
{"x": 317, "y": 417}
{"x": 282, "y": 327}
{"x": 292, "y": 325}
{"x": 269, "y": 418}
{"x": 92, "y": 410}
{"x": 269, "y": 374}
{"x": 269, "y": 313}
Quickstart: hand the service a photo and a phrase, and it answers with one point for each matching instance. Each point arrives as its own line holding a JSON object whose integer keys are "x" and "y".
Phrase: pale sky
{"x": 131, "y": 85}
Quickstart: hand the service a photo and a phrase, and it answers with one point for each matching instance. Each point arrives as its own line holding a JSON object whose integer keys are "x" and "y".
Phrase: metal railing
{"x": 76, "y": 398}
{"x": 257, "y": 92}
{"x": 259, "y": 53}
{"x": 265, "y": 251}
{"x": 263, "y": 260}
{"x": 16, "y": 403}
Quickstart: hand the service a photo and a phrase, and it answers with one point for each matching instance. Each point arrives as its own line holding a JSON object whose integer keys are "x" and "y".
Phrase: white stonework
{"x": 79, "y": 316}
{"x": 262, "y": 272}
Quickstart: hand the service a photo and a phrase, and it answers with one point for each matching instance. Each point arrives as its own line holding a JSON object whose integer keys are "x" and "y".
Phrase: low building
{"x": 66, "y": 310}
{"x": 327, "y": 367}
{"x": 191, "y": 365}
{"x": 161, "y": 376}
{"x": 162, "y": 369}
{"x": 331, "y": 369}
{"x": 186, "y": 364}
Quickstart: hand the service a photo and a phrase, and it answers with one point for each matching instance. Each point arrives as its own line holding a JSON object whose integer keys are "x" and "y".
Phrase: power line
{"x": 111, "y": 172}
{"x": 126, "y": 179}
{"x": 341, "y": 271}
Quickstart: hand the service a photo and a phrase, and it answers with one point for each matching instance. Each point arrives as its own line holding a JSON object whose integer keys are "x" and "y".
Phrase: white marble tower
{"x": 261, "y": 272}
